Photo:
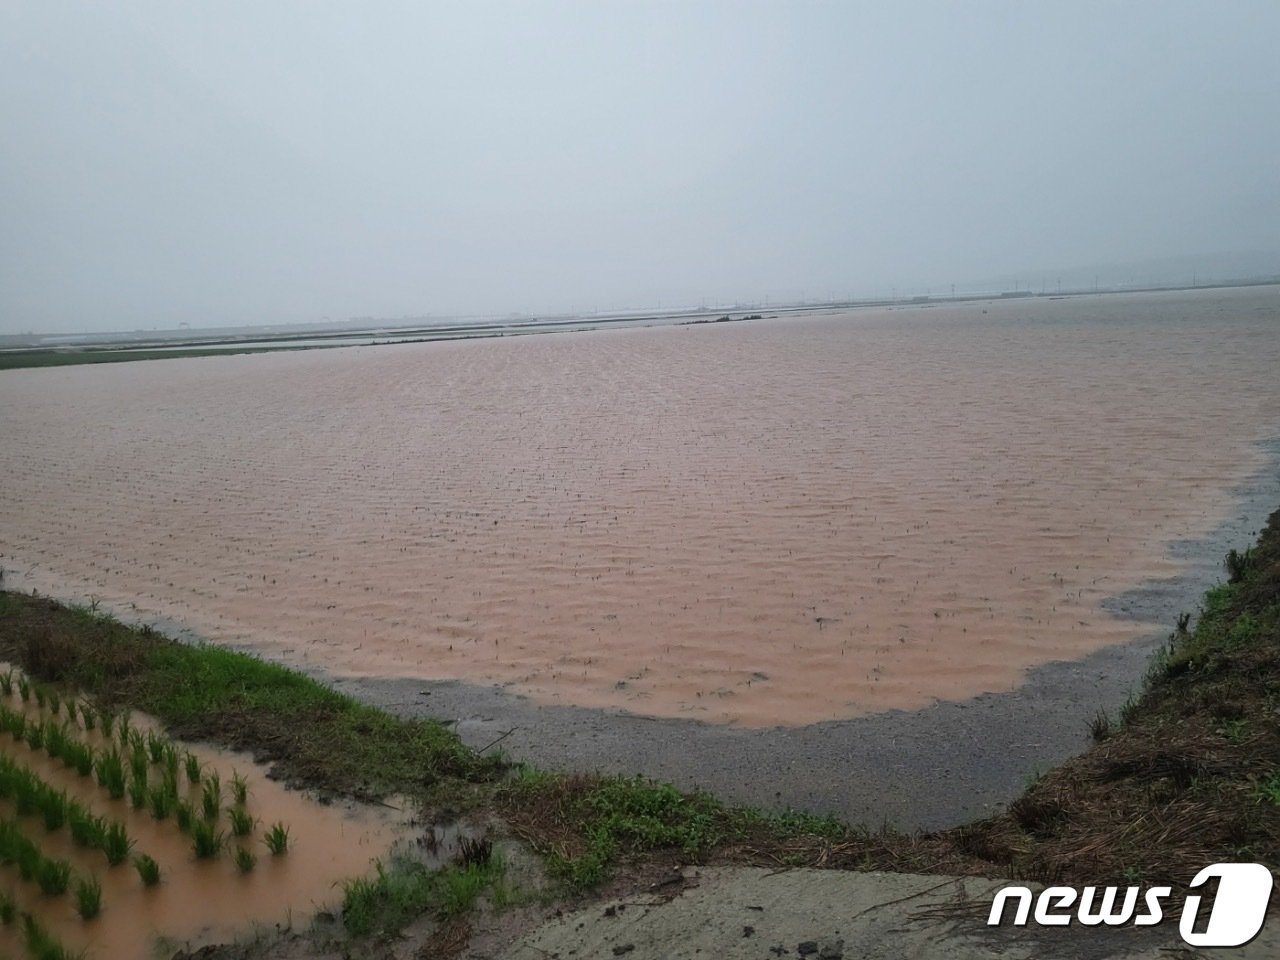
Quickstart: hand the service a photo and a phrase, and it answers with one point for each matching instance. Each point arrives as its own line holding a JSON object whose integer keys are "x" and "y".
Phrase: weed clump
{"x": 1100, "y": 727}
{"x": 386, "y": 901}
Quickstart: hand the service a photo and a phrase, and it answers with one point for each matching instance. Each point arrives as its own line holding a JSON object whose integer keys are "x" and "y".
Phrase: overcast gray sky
{"x": 230, "y": 162}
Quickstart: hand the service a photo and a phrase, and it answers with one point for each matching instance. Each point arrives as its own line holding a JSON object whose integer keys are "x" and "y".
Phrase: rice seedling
{"x": 211, "y": 796}
{"x": 29, "y": 860}
{"x": 24, "y": 689}
{"x": 54, "y": 876}
{"x": 88, "y": 894}
{"x": 53, "y": 808}
{"x": 35, "y": 735}
{"x": 134, "y": 740}
{"x": 242, "y": 823}
{"x": 123, "y": 728}
{"x": 8, "y": 908}
{"x": 110, "y": 770}
{"x": 116, "y": 843}
{"x": 89, "y": 716}
{"x": 206, "y": 839}
{"x": 138, "y": 793}
{"x": 170, "y": 761}
{"x": 71, "y": 710}
{"x": 14, "y": 847}
{"x": 106, "y": 719}
{"x": 160, "y": 802}
{"x": 185, "y": 814}
{"x": 139, "y": 764}
{"x": 245, "y": 859}
{"x": 86, "y": 829}
{"x": 192, "y": 763}
{"x": 239, "y": 789}
{"x": 6, "y": 682}
{"x": 155, "y": 747}
{"x": 26, "y": 793}
{"x": 80, "y": 756}
{"x": 148, "y": 869}
{"x": 40, "y": 696}
{"x": 55, "y": 740}
{"x": 40, "y": 943}
{"x": 55, "y": 702}
{"x": 277, "y": 839}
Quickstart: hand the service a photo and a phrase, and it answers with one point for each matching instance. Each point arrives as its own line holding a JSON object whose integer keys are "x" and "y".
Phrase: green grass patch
{"x": 382, "y": 904}
{"x": 313, "y": 734}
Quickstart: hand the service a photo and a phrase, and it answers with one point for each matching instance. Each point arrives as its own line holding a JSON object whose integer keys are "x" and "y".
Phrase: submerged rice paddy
{"x": 114, "y": 836}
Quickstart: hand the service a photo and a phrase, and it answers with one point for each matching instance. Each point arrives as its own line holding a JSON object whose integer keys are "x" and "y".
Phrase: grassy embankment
{"x": 1187, "y": 775}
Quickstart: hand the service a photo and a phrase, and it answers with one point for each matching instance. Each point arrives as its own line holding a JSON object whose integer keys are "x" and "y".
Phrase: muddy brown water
{"x": 197, "y": 902}
{"x": 768, "y": 523}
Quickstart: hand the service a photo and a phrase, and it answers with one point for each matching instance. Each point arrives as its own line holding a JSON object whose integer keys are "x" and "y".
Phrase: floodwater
{"x": 776, "y": 522}
{"x": 197, "y": 902}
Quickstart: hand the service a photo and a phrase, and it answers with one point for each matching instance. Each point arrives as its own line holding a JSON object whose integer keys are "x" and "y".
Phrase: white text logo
{"x": 1244, "y": 890}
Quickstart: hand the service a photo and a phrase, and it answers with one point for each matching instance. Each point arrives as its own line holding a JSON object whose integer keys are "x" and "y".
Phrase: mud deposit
{"x": 770, "y": 523}
{"x": 197, "y": 901}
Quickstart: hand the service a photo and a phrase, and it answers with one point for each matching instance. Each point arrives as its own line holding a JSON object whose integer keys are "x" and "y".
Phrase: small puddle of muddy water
{"x": 197, "y": 901}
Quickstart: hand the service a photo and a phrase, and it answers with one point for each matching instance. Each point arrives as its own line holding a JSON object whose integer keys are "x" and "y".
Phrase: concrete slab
{"x": 757, "y": 914}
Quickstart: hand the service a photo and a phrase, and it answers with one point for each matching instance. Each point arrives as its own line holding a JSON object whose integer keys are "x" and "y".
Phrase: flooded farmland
{"x": 768, "y": 523}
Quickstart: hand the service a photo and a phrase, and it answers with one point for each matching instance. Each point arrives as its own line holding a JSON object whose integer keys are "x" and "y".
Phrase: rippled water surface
{"x": 774, "y": 522}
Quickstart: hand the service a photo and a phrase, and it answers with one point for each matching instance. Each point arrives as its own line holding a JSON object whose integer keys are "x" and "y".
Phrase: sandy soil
{"x": 771, "y": 523}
